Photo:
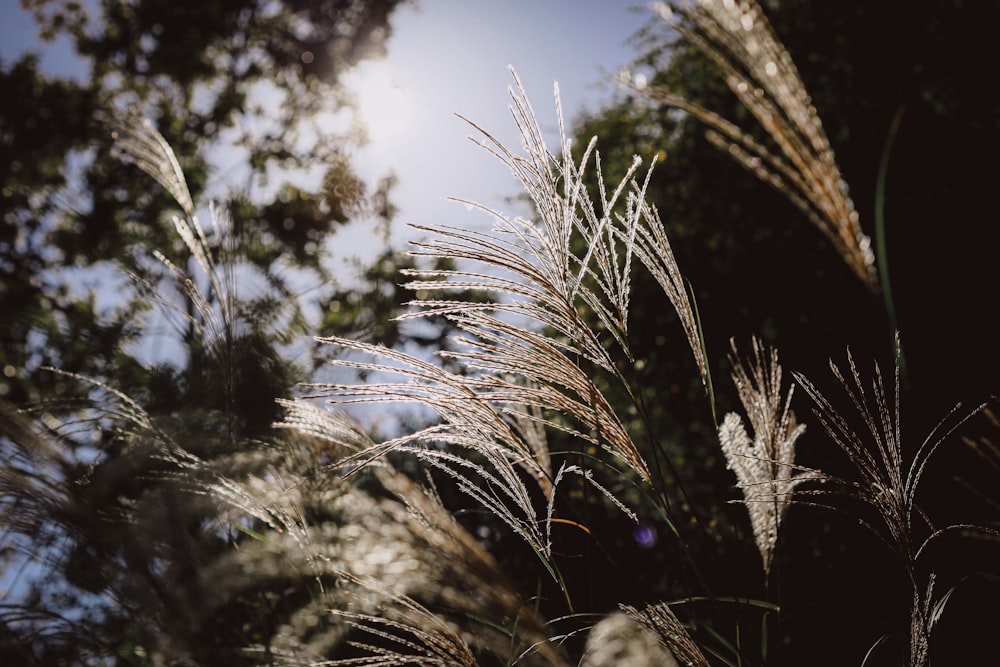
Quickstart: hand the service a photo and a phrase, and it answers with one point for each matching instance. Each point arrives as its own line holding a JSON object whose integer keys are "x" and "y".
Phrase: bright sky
{"x": 447, "y": 57}
{"x": 452, "y": 56}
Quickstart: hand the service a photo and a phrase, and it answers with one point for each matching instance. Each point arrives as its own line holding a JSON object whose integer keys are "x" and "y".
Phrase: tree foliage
{"x": 255, "y": 79}
{"x": 109, "y": 533}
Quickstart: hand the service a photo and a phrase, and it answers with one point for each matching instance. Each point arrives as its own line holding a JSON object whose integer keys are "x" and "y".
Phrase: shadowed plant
{"x": 410, "y": 634}
{"x": 987, "y": 450}
{"x": 659, "y": 621}
{"x": 398, "y": 580}
{"x": 619, "y": 640}
{"x": 887, "y": 483}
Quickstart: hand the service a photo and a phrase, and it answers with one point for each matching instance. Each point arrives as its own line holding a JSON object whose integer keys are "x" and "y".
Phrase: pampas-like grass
{"x": 529, "y": 357}
{"x": 888, "y": 480}
{"x": 619, "y": 640}
{"x": 736, "y": 36}
{"x": 382, "y": 554}
{"x": 659, "y": 621}
{"x": 139, "y": 143}
{"x": 765, "y": 465}
{"x": 370, "y": 566}
{"x": 351, "y": 561}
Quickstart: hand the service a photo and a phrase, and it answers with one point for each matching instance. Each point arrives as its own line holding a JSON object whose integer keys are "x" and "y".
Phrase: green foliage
{"x": 198, "y": 70}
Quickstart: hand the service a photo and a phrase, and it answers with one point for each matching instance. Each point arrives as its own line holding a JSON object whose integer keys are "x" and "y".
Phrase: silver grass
{"x": 659, "y": 621}
{"x": 468, "y": 581}
{"x": 619, "y": 640}
{"x": 39, "y": 509}
{"x": 60, "y": 503}
{"x": 409, "y": 550}
{"x": 360, "y": 538}
{"x": 394, "y": 564}
{"x": 736, "y": 35}
{"x": 138, "y": 142}
{"x": 396, "y": 561}
{"x": 549, "y": 283}
{"x": 887, "y": 480}
{"x": 414, "y": 634}
{"x": 764, "y": 465}
{"x": 511, "y": 374}
{"x": 278, "y": 494}
{"x": 986, "y": 448}
{"x": 468, "y": 422}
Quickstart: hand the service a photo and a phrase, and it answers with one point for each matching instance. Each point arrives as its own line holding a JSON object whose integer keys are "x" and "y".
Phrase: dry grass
{"x": 888, "y": 480}
{"x": 527, "y": 361}
{"x": 801, "y": 165}
{"x": 765, "y": 465}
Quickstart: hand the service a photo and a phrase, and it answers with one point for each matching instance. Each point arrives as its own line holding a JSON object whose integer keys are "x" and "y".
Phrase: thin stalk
{"x": 881, "y": 247}
{"x": 710, "y": 390}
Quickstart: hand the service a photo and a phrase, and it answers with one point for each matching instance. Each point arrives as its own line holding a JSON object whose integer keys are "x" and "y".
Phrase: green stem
{"x": 709, "y": 389}
{"x": 880, "y": 237}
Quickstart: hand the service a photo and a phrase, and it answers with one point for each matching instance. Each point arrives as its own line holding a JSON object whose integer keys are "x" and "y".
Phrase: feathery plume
{"x": 757, "y": 67}
{"x": 514, "y": 371}
{"x": 618, "y": 639}
{"x": 887, "y": 483}
{"x": 659, "y": 621}
{"x": 139, "y": 143}
{"x": 764, "y": 466}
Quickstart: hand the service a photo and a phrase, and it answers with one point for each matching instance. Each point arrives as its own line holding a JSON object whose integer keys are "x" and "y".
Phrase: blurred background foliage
{"x": 105, "y": 545}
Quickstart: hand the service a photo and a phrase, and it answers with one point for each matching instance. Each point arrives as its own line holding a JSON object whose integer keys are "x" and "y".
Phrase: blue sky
{"x": 450, "y": 56}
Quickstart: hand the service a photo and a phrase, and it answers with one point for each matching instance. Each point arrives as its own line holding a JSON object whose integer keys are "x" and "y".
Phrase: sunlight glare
{"x": 386, "y": 104}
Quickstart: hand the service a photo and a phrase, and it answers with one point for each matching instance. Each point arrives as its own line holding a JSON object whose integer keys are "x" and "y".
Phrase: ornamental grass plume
{"x": 390, "y": 564}
{"x": 397, "y": 579}
{"x": 310, "y": 533}
{"x": 139, "y": 143}
{"x": 660, "y": 622}
{"x": 306, "y": 566}
{"x": 764, "y": 466}
{"x": 619, "y": 640}
{"x": 887, "y": 483}
{"x": 531, "y": 356}
{"x": 736, "y": 36}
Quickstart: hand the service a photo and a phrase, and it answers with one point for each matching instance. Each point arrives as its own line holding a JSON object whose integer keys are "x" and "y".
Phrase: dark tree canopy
{"x": 757, "y": 267}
